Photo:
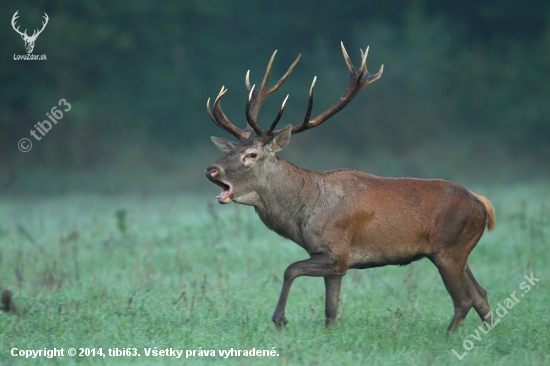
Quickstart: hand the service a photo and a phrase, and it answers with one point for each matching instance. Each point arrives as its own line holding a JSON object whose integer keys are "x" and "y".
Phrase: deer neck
{"x": 286, "y": 198}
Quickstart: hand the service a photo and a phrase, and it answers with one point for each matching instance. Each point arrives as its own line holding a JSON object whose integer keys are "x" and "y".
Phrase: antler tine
{"x": 222, "y": 121}
{"x": 363, "y": 67}
{"x": 274, "y": 124}
{"x": 358, "y": 80}
{"x": 210, "y": 113}
{"x": 285, "y": 76}
{"x": 367, "y": 78}
{"x": 304, "y": 125}
{"x": 247, "y": 80}
{"x": 251, "y": 122}
{"x": 257, "y": 98}
{"x": 212, "y": 117}
{"x": 349, "y": 64}
{"x": 310, "y": 103}
{"x": 263, "y": 85}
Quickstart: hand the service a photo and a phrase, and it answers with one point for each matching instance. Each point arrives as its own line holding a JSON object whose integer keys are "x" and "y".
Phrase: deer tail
{"x": 491, "y": 217}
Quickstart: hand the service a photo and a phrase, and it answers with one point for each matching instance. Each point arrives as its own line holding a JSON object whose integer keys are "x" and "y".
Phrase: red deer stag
{"x": 346, "y": 218}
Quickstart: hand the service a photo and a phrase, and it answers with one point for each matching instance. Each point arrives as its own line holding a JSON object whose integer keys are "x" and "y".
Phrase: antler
{"x": 221, "y": 120}
{"x": 255, "y": 100}
{"x": 358, "y": 80}
{"x": 15, "y": 16}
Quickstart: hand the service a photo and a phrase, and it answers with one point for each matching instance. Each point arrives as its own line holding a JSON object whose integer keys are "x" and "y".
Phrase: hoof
{"x": 330, "y": 323}
{"x": 279, "y": 321}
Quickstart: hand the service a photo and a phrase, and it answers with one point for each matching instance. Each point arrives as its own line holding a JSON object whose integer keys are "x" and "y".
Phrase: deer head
{"x": 250, "y": 164}
{"x": 29, "y": 40}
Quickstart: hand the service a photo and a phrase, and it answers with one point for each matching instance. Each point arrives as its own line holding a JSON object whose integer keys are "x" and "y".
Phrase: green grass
{"x": 177, "y": 272}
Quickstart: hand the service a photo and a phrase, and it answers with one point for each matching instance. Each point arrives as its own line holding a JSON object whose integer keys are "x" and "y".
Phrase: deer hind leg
{"x": 452, "y": 271}
{"x": 465, "y": 292}
{"x": 457, "y": 286}
{"x": 459, "y": 235}
{"x": 479, "y": 295}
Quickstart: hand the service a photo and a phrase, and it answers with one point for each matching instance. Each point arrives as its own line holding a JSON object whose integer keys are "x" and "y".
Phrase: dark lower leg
{"x": 332, "y": 285}
{"x": 479, "y": 295}
{"x": 456, "y": 282}
{"x": 279, "y": 314}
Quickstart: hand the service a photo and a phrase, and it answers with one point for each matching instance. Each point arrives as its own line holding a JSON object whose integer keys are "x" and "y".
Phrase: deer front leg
{"x": 332, "y": 285}
{"x": 320, "y": 264}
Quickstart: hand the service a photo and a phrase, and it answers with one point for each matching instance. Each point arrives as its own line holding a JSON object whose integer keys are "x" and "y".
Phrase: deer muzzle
{"x": 226, "y": 195}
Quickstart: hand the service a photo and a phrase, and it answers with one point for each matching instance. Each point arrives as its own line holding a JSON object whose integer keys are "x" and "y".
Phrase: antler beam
{"x": 358, "y": 80}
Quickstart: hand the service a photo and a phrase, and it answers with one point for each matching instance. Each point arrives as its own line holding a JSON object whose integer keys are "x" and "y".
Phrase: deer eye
{"x": 251, "y": 155}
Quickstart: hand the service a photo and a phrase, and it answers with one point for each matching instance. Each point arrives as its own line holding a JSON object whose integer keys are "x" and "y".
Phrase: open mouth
{"x": 226, "y": 194}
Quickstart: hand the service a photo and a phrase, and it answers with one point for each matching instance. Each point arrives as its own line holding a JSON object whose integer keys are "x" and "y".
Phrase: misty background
{"x": 464, "y": 95}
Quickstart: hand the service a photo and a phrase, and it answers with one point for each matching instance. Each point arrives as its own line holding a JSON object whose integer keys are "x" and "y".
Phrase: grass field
{"x": 177, "y": 272}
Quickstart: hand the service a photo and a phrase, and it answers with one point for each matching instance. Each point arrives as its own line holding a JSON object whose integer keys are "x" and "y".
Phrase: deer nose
{"x": 211, "y": 172}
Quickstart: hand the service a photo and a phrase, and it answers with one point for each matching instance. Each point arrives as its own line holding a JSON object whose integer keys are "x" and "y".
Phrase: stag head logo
{"x": 29, "y": 40}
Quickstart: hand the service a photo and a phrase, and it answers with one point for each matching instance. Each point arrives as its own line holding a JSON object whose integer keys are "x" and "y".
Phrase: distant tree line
{"x": 137, "y": 73}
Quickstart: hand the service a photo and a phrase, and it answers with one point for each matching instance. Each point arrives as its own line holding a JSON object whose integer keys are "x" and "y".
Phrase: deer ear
{"x": 223, "y": 144}
{"x": 280, "y": 139}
